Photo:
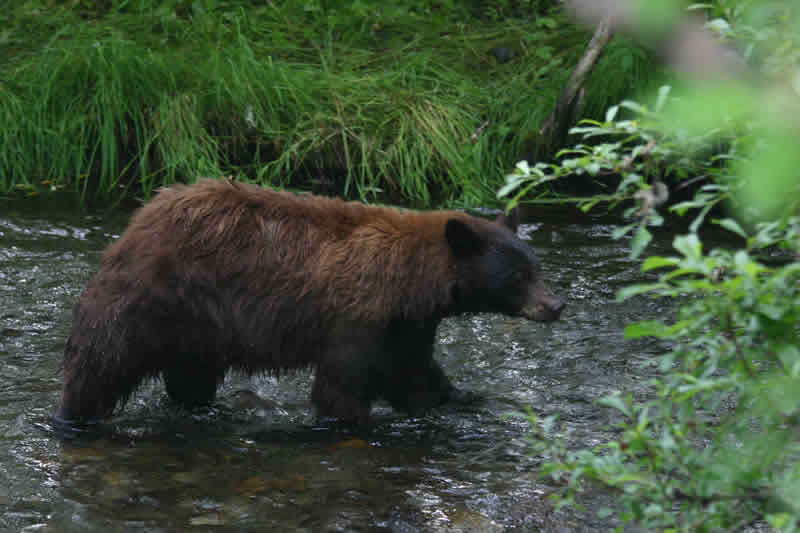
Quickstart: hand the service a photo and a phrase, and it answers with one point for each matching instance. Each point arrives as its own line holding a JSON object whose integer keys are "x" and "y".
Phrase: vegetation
{"x": 715, "y": 447}
{"x": 425, "y": 102}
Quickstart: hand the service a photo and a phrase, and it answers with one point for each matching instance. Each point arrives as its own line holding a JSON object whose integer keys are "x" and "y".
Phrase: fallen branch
{"x": 553, "y": 132}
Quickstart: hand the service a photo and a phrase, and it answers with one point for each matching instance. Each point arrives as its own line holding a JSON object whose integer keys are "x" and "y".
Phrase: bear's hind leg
{"x": 192, "y": 385}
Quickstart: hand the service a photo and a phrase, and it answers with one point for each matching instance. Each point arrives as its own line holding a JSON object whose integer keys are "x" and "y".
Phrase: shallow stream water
{"x": 257, "y": 461}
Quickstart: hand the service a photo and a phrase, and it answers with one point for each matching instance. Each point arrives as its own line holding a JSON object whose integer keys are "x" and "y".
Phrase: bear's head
{"x": 496, "y": 271}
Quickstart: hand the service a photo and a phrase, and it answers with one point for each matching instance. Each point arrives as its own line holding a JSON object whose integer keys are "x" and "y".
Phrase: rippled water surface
{"x": 257, "y": 461}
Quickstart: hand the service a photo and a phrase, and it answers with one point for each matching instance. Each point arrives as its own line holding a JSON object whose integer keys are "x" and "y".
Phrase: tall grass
{"x": 368, "y": 105}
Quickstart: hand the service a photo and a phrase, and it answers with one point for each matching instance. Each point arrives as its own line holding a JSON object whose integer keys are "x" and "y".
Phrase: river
{"x": 256, "y": 460}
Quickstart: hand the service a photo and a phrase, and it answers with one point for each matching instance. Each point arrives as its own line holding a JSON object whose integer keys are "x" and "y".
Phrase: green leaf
{"x": 779, "y": 520}
{"x": 547, "y": 22}
{"x": 508, "y": 188}
{"x": 645, "y": 328}
{"x": 681, "y": 207}
{"x": 667, "y": 441}
{"x": 695, "y": 225}
{"x": 632, "y": 290}
{"x": 731, "y": 225}
{"x": 633, "y": 106}
{"x": 604, "y": 512}
{"x": 640, "y": 241}
{"x": 663, "y": 93}
{"x": 720, "y": 26}
{"x": 586, "y": 206}
{"x": 616, "y": 402}
{"x": 630, "y": 178}
{"x": 688, "y": 245}
{"x": 680, "y": 272}
{"x": 619, "y": 232}
{"x": 789, "y": 356}
{"x": 656, "y": 261}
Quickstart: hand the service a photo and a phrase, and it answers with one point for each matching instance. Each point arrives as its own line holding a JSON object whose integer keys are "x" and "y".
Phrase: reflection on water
{"x": 256, "y": 460}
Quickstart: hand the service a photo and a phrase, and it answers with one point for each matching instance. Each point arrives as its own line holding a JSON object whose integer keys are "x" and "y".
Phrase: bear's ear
{"x": 462, "y": 238}
{"x": 510, "y": 220}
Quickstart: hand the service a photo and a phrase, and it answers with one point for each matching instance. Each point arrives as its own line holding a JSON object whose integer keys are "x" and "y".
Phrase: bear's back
{"x": 366, "y": 262}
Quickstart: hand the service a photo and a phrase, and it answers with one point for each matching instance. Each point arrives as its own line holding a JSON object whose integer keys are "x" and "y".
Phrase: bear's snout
{"x": 543, "y": 305}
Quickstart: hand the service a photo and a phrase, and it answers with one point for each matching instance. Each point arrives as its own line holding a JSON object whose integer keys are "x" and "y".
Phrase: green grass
{"x": 375, "y": 105}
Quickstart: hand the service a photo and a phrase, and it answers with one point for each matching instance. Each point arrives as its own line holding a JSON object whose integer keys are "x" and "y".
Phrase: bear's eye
{"x": 522, "y": 276}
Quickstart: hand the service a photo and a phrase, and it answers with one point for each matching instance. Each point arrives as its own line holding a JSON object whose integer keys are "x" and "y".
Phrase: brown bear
{"x": 222, "y": 275}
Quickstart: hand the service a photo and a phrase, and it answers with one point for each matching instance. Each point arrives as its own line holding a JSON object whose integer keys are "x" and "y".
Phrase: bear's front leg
{"x": 94, "y": 383}
{"x": 343, "y": 385}
{"x": 336, "y": 398}
{"x": 417, "y": 388}
{"x": 412, "y": 381}
{"x": 192, "y": 383}
{"x": 422, "y": 386}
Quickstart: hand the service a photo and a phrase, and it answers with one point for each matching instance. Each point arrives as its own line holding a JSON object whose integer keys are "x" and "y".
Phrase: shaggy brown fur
{"x": 221, "y": 275}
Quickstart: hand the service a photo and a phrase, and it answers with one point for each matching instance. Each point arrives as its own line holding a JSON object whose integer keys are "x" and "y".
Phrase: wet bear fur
{"x": 221, "y": 276}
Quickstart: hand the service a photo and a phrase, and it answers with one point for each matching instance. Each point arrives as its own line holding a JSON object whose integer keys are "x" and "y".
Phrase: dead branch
{"x": 554, "y": 130}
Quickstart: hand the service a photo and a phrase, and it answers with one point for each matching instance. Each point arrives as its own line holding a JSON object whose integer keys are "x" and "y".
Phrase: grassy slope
{"x": 357, "y": 102}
